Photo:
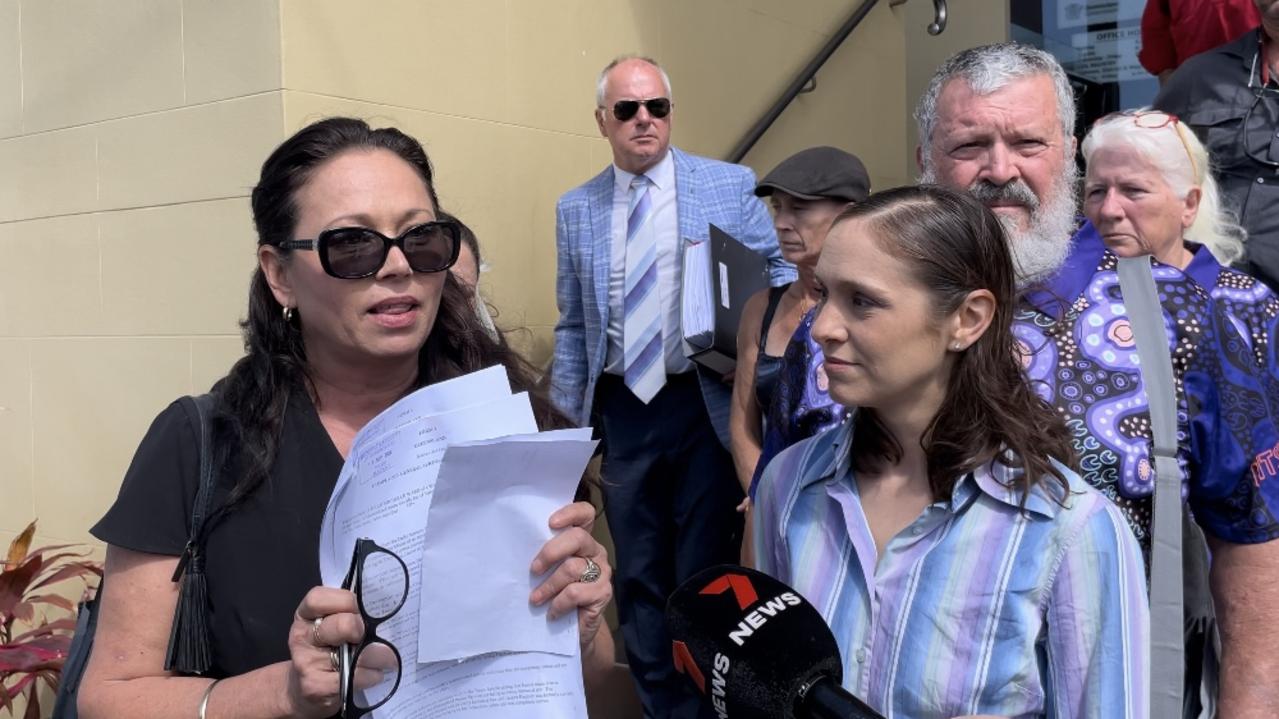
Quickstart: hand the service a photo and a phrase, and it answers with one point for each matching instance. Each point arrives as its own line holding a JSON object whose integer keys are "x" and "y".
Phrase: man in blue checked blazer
{"x": 669, "y": 486}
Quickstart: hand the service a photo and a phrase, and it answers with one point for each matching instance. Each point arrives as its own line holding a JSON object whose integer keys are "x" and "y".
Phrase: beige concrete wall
{"x": 130, "y": 133}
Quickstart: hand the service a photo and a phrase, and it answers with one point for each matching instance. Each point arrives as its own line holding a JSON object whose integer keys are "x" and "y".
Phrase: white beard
{"x": 1039, "y": 250}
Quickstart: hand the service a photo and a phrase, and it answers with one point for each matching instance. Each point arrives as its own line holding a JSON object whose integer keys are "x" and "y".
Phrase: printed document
{"x": 385, "y": 492}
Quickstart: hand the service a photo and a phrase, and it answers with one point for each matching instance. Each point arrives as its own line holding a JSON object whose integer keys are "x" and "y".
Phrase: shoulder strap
{"x": 201, "y": 407}
{"x": 200, "y": 510}
{"x": 774, "y": 298}
{"x": 1167, "y": 639}
{"x": 189, "y": 649}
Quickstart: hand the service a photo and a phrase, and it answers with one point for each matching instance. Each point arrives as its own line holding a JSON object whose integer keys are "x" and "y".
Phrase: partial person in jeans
{"x": 807, "y": 190}
{"x": 963, "y": 565}
{"x": 350, "y": 308}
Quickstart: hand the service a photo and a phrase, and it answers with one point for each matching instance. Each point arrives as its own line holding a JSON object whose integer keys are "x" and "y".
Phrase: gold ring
{"x": 315, "y": 631}
{"x": 334, "y": 660}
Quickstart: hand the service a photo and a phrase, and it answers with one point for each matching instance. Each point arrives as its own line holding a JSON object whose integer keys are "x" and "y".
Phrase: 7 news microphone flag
{"x": 757, "y": 650}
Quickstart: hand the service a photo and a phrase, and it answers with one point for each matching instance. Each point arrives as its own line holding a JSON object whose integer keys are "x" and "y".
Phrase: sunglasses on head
{"x": 351, "y": 253}
{"x": 658, "y": 107}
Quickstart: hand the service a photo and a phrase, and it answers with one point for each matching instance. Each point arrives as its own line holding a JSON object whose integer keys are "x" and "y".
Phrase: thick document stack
{"x": 720, "y": 275}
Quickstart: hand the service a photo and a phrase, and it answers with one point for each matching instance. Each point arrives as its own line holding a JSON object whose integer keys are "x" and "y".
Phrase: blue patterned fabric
{"x": 707, "y": 191}
{"x": 801, "y": 406}
{"x": 1252, "y": 305}
{"x": 1083, "y": 358}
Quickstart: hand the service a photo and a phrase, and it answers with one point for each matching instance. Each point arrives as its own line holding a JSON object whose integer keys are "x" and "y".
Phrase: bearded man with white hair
{"x": 998, "y": 121}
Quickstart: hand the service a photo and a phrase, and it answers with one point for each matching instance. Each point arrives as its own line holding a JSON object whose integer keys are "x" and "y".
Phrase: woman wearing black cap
{"x": 807, "y": 190}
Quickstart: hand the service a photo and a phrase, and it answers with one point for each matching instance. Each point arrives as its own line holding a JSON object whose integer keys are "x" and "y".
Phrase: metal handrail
{"x": 806, "y": 80}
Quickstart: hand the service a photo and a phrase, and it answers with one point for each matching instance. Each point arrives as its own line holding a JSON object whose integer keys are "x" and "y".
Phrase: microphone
{"x": 757, "y": 650}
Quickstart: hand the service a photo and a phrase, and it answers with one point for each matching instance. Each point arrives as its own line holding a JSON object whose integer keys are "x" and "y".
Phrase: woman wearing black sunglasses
{"x": 350, "y": 309}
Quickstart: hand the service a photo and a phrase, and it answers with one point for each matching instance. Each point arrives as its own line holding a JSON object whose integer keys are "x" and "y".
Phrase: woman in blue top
{"x": 1150, "y": 191}
{"x": 963, "y": 567}
{"x": 807, "y": 190}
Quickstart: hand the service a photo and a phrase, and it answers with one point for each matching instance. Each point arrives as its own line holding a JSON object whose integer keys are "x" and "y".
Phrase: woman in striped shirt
{"x": 963, "y": 566}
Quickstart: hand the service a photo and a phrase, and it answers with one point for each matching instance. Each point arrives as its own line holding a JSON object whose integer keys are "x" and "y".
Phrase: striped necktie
{"x": 643, "y": 362}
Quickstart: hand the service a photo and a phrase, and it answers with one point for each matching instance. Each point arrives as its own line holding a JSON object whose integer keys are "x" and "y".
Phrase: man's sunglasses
{"x": 351, "y": 253}
{"x": 658, "y": 107}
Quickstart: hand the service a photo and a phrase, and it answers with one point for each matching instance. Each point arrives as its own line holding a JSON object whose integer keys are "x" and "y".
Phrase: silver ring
{"x": 591, "y": 573}
{"x": 334, "y": 660}
{"x": 315, "y": 631}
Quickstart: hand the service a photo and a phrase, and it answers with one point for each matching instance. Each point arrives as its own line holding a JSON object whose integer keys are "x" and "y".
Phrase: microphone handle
{"x": 824, "y": 699}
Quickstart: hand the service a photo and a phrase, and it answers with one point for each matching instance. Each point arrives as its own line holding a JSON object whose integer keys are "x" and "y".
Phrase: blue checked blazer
{"x": 706, "y": 191}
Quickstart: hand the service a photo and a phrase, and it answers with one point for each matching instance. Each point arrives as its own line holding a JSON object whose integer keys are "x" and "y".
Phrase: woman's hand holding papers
{"x": 567, "y": 553}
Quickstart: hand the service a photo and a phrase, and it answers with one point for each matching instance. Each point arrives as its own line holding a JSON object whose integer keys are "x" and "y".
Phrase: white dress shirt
{"x": 665, "y": 220}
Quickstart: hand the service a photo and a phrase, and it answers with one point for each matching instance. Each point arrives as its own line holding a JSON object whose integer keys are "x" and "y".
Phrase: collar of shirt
{"x": 1055, "y": 294}
{"x": 992, "y": 479}
{"x": 662, "y": 175}
{"x": 1254, "y": 63}
{"x": 1203, "y": 267}
{"x": 1263, "y": 45}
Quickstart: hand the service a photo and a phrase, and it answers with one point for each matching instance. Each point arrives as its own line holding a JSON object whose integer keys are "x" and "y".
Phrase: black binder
{"x": 736, "y": 273}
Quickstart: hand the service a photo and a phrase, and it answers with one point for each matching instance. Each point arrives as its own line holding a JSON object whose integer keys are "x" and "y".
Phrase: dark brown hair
{"x": 954, "y": 245}
{"x": 254, "y": 395}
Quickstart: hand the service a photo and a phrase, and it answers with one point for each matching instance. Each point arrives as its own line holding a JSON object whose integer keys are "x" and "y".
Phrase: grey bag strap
{"x": 1167, "y": 638}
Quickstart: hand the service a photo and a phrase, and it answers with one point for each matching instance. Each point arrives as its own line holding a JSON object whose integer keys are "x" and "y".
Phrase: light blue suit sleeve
{"x": 568, "y": 370}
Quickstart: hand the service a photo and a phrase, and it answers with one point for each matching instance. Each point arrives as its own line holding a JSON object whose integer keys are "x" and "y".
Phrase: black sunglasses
{"x": 351, "y": 253}
{"x": 658, "y": 107}
{"x": 380, "y": 581}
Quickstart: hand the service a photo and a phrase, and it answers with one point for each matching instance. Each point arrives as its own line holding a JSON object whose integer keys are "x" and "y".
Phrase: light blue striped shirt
{"x": 977, "y": 607}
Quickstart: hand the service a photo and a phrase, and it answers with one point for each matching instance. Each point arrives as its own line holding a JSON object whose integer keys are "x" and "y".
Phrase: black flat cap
{"x": 818, "y": 173}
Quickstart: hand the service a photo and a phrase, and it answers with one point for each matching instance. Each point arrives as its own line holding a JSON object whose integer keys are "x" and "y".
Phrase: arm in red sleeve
{"x": 1157, "y": 50}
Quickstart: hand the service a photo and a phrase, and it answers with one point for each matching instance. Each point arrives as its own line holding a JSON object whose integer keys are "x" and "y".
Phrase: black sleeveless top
{"x": 767, "y": 367}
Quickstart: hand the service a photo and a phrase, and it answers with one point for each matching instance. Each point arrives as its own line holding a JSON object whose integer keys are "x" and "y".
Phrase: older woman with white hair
{"x": 1149, "y": 190}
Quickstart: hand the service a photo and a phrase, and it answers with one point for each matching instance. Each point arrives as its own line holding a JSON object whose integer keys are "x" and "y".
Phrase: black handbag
{"x": 188, "y": 651}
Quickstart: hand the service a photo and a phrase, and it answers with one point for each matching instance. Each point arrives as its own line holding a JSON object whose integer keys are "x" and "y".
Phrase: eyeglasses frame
{"x": 1259, "y": 91}
{"x": 354, "y": 581}
{"x": 1169, "y": 119}
{"x": 319, "y": 245}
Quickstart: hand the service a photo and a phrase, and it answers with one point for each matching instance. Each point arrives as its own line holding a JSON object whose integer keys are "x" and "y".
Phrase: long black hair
{"x": 254, "y": 395}
{"x": 954, "y": 245}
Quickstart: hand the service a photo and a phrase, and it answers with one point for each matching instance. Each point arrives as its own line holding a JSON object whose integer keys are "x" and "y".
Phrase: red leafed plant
{"x": 44, "y": 621}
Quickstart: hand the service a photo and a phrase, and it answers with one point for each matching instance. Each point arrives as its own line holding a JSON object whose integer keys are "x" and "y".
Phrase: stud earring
{"x": 288, "y": 315}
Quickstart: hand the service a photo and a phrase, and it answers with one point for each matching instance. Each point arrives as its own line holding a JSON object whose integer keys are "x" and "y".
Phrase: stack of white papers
{"x": 697, "y": 311}
{"x": 457, "y": 481}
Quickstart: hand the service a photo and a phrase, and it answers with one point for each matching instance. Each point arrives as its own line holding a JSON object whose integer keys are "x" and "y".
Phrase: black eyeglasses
{"x": 658, "y": 107}
{"x": 369, "y": 672}
{"x": 1260, "y": 91}
{"x": 351, "y": 253}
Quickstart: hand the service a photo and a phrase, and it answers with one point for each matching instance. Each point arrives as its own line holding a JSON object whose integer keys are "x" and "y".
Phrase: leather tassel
{"x": 189, "y": 650}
